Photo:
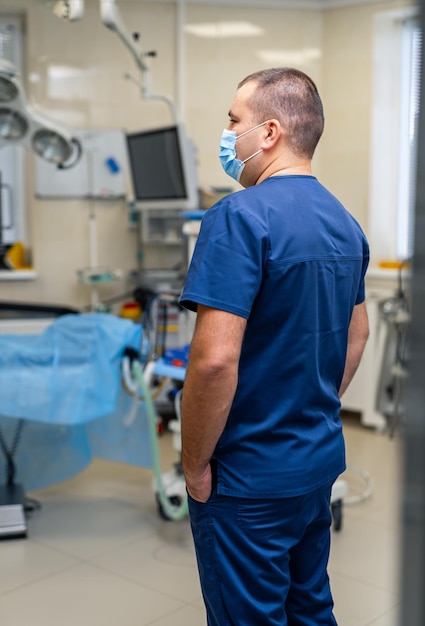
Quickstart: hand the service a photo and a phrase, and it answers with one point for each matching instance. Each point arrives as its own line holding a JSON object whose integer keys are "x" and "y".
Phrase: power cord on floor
{"x": 367, "y": 480}
{"x": 31, "y": 505}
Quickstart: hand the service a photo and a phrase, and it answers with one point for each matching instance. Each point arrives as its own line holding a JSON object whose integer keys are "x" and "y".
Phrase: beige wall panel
{"x": 347, "y": 76}
{"x": 93, "y": 61}
{"x": 215, "y": 67}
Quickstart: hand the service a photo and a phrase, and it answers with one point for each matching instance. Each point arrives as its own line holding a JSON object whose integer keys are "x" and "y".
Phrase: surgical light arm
{"x": 73, "y": 10}
{"x": 111, "y": 18}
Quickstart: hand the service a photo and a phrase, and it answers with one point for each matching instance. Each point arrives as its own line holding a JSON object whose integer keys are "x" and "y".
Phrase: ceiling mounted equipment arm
{"x": 73, "y": 11}
{"x": 111, "y": 19}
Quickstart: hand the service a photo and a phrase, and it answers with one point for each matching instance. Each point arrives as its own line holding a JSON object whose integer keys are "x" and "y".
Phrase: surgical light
{"x": 20, "y": 123}
{"x": 8, "y": 91}
{"x": 51, "y": 146}
{"x": 13, "y": 125}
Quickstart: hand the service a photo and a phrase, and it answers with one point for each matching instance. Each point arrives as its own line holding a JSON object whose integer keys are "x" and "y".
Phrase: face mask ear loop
{"x": 252, "y": 155}
{"x": 251, "y": 129}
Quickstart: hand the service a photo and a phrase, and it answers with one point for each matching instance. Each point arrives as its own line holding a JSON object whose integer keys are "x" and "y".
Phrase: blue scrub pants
{"x": 264, "y": 562}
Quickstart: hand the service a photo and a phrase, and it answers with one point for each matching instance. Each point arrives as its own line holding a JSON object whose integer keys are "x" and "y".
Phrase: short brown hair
{"x": 289, "y": 95}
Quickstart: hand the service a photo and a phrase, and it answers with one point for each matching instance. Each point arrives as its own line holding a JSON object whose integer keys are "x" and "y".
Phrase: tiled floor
{"x": 98, "y": 554}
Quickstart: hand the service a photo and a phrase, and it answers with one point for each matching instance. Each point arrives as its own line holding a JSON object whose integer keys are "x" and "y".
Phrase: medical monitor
{"x": 163, "y": 168}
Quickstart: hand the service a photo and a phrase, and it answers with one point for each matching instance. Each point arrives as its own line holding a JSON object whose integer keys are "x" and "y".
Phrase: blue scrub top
{"x": 288, "y": 257}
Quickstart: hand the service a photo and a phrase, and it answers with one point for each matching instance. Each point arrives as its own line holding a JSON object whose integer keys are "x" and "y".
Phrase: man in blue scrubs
{"x": 277, "y": 280}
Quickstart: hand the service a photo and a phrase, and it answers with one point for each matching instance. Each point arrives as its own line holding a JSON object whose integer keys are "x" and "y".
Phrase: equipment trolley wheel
{"x": 174, "y": 500}
{"x": 336, "y": 510}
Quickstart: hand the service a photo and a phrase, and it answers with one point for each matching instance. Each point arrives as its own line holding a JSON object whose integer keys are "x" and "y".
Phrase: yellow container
{"x": 131, "y": 311}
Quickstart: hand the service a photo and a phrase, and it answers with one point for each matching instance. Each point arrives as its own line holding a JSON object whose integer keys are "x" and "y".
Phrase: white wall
{"x": 347, "y": 89}
{"x": 216, "y": 66}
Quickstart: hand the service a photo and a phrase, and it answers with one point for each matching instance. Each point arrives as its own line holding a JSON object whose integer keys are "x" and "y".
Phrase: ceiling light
{"x": 291, "y": 58}
{"x": 220, "y": 30}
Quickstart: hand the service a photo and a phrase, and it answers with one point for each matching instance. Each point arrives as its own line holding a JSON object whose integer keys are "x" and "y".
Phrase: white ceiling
{"x": 315, "y": 4}
{"x": 284, "y": 4}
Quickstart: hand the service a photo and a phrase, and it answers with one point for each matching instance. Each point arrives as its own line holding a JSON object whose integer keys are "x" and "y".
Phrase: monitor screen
{"x": 163, "y": 170}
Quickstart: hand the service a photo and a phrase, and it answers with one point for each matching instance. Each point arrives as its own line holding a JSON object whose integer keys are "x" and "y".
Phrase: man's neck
{"x": 299, "y": 169}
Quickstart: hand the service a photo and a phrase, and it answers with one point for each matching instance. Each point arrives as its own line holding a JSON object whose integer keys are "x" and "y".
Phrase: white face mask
{"x": 228, "y": 159}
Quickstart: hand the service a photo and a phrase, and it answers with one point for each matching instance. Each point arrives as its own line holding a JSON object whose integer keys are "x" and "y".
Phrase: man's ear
{"x": 273, "y": 132}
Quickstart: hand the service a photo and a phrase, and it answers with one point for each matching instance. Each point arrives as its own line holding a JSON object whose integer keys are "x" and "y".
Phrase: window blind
{"x": 409, "y": 112}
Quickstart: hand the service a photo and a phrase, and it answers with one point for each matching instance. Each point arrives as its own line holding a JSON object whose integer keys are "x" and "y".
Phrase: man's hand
{"x": 200, "y": 488}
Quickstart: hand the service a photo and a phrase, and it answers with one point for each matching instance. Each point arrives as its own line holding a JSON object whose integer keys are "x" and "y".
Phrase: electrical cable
{"x": 31, "y": 505}
{"x": 368, "y": 481}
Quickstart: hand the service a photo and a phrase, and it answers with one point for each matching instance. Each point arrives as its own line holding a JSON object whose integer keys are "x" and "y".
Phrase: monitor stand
{"x": 12, "y": 512}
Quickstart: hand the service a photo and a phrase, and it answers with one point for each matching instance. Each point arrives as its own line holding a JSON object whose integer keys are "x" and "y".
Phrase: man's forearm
{"x": 354, "y": 355}
{"x": 209, "y": 389}
{"x": 207, "y": 398}
{"x": 358, "y": 334}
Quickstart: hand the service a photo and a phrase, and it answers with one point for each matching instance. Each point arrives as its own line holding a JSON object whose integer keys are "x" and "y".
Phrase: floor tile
{"x": 85, "y": 595}
{"x": 164, "y": 561}
{"x": 188, "y": 616}
{"x": 107, "y": 505}
{"x": 357, "y": 603}
{"x": 98, "y": 553}
{"x": 366, "y": 552}
{"x": 390, "y": 618}
{"x": 84, "y": 527}
{"x": 23, "y": 561}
